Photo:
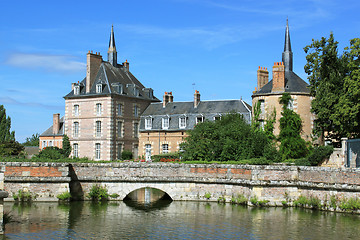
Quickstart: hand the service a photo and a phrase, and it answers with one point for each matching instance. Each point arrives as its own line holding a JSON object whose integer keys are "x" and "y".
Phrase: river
{"x": 173, "y": 220}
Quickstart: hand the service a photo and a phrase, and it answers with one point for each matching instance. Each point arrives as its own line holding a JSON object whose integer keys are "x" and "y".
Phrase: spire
{"x": 287, "y": 55}
{"x": 112, "y": 54}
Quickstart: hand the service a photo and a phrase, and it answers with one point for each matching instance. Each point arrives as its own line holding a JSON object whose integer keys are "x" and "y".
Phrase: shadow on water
{"x": 148, "y": 206}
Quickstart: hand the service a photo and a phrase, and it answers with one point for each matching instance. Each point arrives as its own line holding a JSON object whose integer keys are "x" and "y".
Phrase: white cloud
{"x": 57, "y": 63}
{"x": 12, "y": 101}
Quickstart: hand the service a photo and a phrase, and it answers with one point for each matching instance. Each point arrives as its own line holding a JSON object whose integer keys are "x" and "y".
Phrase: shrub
{"x": 24, "y": 196}
{"x": 11, "y": 148}
{"x": 314, "y": 202}
{"x": 98, "y": 193}
{"x": 207, "y": 196}
{"x": 65, "y": 196}
{"x": 319, "y": 154}
{"x": 301, "y": 201}
{"x": 166, "y": 157}
{"x": 126, "y": 155}
{"x": 114, "y": 195}
{"x": 334, "y": 201}
{"x": 51, "y": 153}
{"x": 221, "y": 199}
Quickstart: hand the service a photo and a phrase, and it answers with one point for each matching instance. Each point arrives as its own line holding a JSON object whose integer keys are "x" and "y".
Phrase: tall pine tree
{"x": 5, "y": 125}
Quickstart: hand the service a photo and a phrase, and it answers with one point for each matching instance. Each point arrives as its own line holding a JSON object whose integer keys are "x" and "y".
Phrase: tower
{"x": 112, "y": 54}
{"x": 287, "y": 55}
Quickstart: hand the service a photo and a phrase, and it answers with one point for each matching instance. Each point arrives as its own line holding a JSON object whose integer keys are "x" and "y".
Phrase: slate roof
{"x": 293, "y": 84}
{"x": 206, "y": 109}
{"x": 49, "y": 131}
{"x": 111, "y": 77}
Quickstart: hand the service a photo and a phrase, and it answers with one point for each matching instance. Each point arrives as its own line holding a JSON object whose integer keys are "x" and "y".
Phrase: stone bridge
{"x": 182, "y": 181}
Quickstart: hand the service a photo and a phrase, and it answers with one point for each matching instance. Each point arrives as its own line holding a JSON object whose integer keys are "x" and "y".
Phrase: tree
{"x": 334, "y": 82}
{"x": 32, "y": 141}
{"x": 292, "y": 145}
{"x": 66, "y": 149}
{"x": 5, "y": 125}
{"x": 11, "y": 148}
{"x": 230, "y": 138}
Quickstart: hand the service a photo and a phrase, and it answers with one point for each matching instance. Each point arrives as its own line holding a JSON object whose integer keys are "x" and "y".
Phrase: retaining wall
{"x": 183, "y": 181}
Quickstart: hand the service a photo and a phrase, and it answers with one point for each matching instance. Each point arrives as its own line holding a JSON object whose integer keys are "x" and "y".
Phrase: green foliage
{"x": 24, "y": 196}
{"x": 207, "y": 196}
{"x": 334, "y": 82}
{"x": 98, "y": 193}
{"x": 319, "y": 154}
{"x": 32, "y": 141}
{"x": 351, "y": 204}
{"x": 334, "y": 201}
{"x": 5, "y": 125}
{"x": 262, "y": 203}
{"x": 65, "y": 196}
{"x": 66, "y": 149}
{"x": 51, "y": 153}
{"x": 255, "y": 122}
{"x": 126, "y": 155}
{"x": 221, "y": 199}
{"x": 269, "y": 125}
{"x": 292, "y": 145}
{"x": 240, "y": 199}
{"x": 11, "y": 148}
{"x": 229, "y": 139}
{"x": 301, "y": 201}
{"x": 114, "y": 195}
{"x": 314, "y": 202}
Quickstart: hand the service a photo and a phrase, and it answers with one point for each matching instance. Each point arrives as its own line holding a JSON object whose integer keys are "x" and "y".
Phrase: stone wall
{"x": 183, "y": 181}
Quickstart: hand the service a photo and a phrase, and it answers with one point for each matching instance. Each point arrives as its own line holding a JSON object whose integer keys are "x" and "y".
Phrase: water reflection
{"x": 175, "y": 220}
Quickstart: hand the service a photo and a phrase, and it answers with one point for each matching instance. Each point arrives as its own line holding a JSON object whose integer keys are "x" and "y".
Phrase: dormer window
{"x": 182, "y": 122}
{"x": 99, "y": 88}
{"x": 199, "y": 119}
{"x": 136, "y": 91}
{"x": 165, "y": 122}
{"x": 118, "y": 88}
{"x": 148, "y": 123}
{"x": 217, "y": 117}
{"x": 77, "y": 90}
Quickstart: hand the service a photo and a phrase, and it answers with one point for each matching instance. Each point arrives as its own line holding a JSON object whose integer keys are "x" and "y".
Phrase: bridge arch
{"x": 128, "y": 188}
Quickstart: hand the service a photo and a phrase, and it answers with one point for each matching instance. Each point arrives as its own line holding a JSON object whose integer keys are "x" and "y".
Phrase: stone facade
{"x": 183, "y": 181}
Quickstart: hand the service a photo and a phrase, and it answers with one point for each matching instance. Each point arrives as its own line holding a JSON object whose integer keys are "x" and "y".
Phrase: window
{"x": 98, "y": 88}
{"x": 119, "y": 150}
{"x": 43, "y": 144}
{"x": 136, "y": 91}
{"x": 76, "y": 150}
{"x": 119, "y": 109}
{"x": 119, "y": 128}
{"x": 76, "y": 129}
{"x": 50, "y": 143}
{"x": 217, "y": 118}
{"x": 262, "y": 106}
{"x": 98, "y": 128}
{"x": 136, "y": 130}
{"x": 291, "y": 104}
{"x": 136, "y": 111}
{"x": 165, "y": 123}
{"x": 76, "y": 90}
{"x": 98, "y": 109}
{"x": 148, "y": 123}
{"x": 199, "y": 119}
{"x": 76, "y": 110}
{"x": 165, "y": 148}
{"x": 182, "y": 122}
{"x": 148, "y": 152}
{"x": 119, "y": 89}
{"x": 97, "y": 151}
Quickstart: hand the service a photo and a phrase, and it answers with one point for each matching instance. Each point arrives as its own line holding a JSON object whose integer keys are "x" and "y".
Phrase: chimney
{"x": 167, "y": 98}
{"x": 56, "y": 123}
{"x": 278, "y": 77}
{"x": 262, "y": 77}
{"x": 93, "y": 63}
{"x": 196, "y": 98}
{"x": 126, "y": 65}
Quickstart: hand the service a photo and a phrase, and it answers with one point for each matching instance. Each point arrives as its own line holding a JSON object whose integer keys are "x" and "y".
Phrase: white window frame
{"x": 201, "y": 119}
{"x": 98, "y": 129}
{"x": 76, "y": 129}
{"x": 148, "y": 123}
{"x": 76, "y": 110}
{"x": 76, "y": 90}
{"x": 182, "y": 122}
{"x": 165, "y": 123}
{"x": 99, "y": 88}
{"x": 76, "y": 150}
{"x": 97, "y": 151}
{"x": 98, "y": 109}
{"x": 165, "y": 148}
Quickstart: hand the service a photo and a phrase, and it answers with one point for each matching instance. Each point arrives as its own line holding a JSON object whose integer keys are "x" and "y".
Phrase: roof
{"x": 293, "y": 84}
{"x": 208, "y": 110}
{"x": 111, "y": 78}
{"x": 49, "y": 131}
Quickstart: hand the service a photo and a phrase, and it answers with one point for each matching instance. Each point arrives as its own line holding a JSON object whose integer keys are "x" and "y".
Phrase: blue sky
{"x": 212, "y": 46}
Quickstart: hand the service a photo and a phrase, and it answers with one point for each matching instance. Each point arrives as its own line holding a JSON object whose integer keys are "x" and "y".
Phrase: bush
{"x": 319, "y": 154}
{"x": 51, "y": 153}
{"x": 98, "y": 193}
{"x": 65, "y": 196}
{"x": 11, "y": 148}
{"x": 170, "y": 157}
{"x": 207, "y": 196}
{"x": 126, "y": 155}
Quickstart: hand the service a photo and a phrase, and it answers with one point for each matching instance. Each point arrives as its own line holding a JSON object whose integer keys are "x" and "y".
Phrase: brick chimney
{"x": 262, "y": 77}
{"x": 196, "y": 98}
{"x": 126, "y": 65}
{"x": 167, "y": 98}
{"x": 56, "y": 123}
{"x": 93, "y": 63}
{"x": 278, "y": 77}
